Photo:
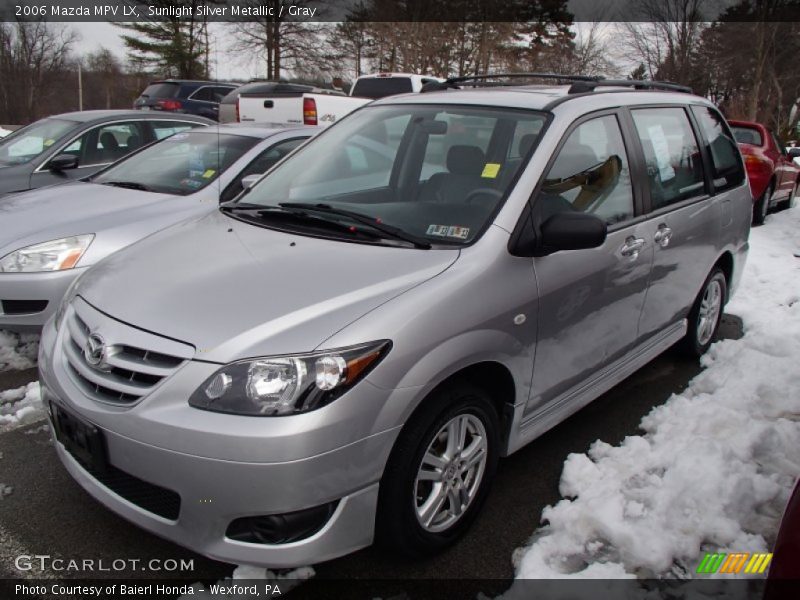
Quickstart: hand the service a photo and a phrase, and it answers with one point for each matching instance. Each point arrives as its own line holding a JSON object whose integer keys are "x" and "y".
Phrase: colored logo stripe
{"x": 734, "y": 562}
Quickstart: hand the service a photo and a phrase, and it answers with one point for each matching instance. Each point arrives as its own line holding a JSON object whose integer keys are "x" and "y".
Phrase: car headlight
{"x": 285, "y": 385}
{"x": 55, "y": 255}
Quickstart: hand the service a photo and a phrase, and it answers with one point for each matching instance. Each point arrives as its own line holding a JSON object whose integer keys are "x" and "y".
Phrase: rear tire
{"x": 431, "y": 490}
{"x": 706, "y": 314}
{"x": 761, "y": 207}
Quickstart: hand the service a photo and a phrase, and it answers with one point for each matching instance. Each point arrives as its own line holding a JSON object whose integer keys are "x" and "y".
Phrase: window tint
{"x": 378, "y": 87}
{"x": 727, "y": 168}
{"x": 261, "y": 164}
{"x": 590, "y": 174}
{"x": 674, "y": 166}
{"x": 162, "y": 129}
{"x": 106, "y": 143}
{"x": 161, "y": 90}
{"x": 747, "y": 135}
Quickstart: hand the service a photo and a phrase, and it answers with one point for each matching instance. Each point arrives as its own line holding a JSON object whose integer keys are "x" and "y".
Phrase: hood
{"x": 59, "y": 211}
{"x": 235, "y": 290}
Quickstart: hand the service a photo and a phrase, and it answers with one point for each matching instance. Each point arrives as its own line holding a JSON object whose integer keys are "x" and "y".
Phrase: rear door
{"x": 589, "y": 300}
{"x": 683, "y": 218}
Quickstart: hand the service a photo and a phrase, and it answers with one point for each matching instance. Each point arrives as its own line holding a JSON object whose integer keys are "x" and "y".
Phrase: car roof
{"x": 257, "y": 130}
{"x": 86, "y": 116}
{"x": 194, "y": 82}
{"x": 545, "y": 97}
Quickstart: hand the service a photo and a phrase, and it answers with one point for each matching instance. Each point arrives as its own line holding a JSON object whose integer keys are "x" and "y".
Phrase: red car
{"x": 773, "y": 175}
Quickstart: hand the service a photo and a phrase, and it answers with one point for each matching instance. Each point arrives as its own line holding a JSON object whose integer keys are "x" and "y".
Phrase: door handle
{"x": 663, "y": 236}
{"x": 632, "y": 247}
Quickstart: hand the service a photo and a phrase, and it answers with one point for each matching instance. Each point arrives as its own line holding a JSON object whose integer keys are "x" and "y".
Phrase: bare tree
{"x": 31, "y": 53}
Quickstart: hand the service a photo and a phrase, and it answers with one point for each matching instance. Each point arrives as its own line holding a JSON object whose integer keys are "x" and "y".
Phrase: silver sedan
{"x": 51, "y": 235}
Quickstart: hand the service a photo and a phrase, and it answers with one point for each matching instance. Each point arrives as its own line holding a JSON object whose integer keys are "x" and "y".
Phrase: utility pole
{"x": 80, "y": 87}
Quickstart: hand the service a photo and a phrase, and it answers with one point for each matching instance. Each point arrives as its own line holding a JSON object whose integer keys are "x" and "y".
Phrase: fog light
{"x": 282, "y": 528}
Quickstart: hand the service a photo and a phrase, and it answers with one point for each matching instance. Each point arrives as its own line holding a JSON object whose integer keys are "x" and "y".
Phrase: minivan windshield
{"x": 26, "y": 144}
{"x": 180, "y": 164}
{"x": 434, "y": 173}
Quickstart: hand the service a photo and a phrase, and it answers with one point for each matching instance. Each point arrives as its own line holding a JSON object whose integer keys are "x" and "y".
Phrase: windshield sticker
{"x": 209, "y": 173}
{"x": 437, "y": 230}
{"x": 490, "y": 170}
{"x": 661, "y": 149}
{"x": 455, "y": 231}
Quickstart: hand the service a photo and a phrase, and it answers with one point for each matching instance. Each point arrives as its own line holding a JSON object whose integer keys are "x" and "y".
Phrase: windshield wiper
{"x": 131, "y": 185}
{"x": 389, "y": 230}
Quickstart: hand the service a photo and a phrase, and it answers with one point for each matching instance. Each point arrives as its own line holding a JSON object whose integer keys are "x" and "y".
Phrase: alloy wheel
{"x": 710, "y": 307}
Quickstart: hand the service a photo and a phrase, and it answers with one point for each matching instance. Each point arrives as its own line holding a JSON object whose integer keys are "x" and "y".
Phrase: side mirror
{"x": 249, "y": 181}
{"x": 794, "y": 152}
{"x": 571, "y": 231}
{"x": 63, "y": 162}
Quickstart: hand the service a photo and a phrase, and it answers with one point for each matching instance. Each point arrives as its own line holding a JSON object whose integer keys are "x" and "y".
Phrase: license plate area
{"x": 82, "y": 440}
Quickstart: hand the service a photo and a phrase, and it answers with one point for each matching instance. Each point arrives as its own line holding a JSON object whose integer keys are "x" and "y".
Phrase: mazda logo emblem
{"x": 95, "y": 350}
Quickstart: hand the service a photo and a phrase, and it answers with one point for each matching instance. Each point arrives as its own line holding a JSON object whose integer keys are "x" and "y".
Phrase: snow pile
{"x": 18, "y": 350}
{"x": 716, "y": 463}
{"x": 284, "y": 580}
{"x": 4, "y": 132}
{"x": 20, "y": 406}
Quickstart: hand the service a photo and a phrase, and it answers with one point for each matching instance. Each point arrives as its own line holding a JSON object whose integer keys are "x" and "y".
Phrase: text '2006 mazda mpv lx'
{"x": 343, "y": 354}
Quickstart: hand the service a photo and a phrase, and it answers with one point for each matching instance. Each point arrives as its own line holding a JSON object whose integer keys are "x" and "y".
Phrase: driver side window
{"x": 590, "y": 174}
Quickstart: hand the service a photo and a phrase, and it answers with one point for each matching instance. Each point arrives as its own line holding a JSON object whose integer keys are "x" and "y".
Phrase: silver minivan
{"x": 343, "y": 354}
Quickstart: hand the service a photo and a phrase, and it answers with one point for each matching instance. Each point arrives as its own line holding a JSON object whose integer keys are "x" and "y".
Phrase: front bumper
{"x": 37, "y": 288}
{"x": 248, "y": 466}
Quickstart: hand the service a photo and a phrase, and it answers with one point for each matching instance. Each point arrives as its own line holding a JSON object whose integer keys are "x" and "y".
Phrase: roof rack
{"x": 581, "y": 87}
{"x": 580, "y": 83}
{"x": 480, "y": 80}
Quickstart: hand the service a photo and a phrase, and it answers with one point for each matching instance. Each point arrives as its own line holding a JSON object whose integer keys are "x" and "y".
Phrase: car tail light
{"x": 169, "y": 104}
{"x": 309, "y": 111}
{"x": 756, "y": 161}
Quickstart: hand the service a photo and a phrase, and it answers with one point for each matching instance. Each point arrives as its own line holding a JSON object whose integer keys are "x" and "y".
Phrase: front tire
{"x": 706, "y": 314}
{"x": 439, "y": 472}
{"x": 761, "y": 207}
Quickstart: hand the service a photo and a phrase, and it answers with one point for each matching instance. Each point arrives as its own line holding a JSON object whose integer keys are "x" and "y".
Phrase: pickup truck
{"x": 380, "y": 85}
{"x": 321, "y": 107}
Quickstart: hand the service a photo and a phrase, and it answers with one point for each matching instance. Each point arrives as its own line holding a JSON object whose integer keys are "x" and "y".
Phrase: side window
{"x": 162, "y": 129}
{"x": 727, "y": 168}
{"x": 106, "y": 143}
{"x": 260, "y": 164}
{"x": 674, "y": 166}
{"x": 590, "y": 174}
{"x": 205, "y": 94}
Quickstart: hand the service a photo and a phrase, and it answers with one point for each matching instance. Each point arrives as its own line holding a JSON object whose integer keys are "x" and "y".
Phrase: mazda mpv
{"x": 344, "y": 353}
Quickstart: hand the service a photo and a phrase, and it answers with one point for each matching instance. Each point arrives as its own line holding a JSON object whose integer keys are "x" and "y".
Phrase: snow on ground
{"x": 715, "y": 464}
{"x": 4, "y": 132}
{"x": 18, "y": 350}
{"x": 20, "y": 406}
{"x": 247, "y": 575}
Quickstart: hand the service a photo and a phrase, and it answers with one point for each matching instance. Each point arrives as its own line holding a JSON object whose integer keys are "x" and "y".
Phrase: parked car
{"x": 773, "y": 175}
{"x": 784, "y": 568}
{"x": 288, "y": 104}
{"x": 343, "y": 354}
{"x": 75, "y": 145}
{"x": 229, "y": 106}
{"x": 184, "y": 96}
{"x": 380, "y": 85}
{"x": 50, "y": 236}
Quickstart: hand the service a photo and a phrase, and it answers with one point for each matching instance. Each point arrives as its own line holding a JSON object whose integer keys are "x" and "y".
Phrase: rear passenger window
{"x": 672, "y": 156}
{"x": 727, "y": 168}
{"x": 590, "y": 174}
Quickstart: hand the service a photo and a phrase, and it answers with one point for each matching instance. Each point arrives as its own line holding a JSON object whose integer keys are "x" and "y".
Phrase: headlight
{"x": 55, "y": 255}
{"x": 286, "y": 385}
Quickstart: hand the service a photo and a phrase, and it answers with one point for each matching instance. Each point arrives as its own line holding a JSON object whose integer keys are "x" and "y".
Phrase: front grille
{"x": 127, "y": 373}
{"x": 23, "y": 307}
